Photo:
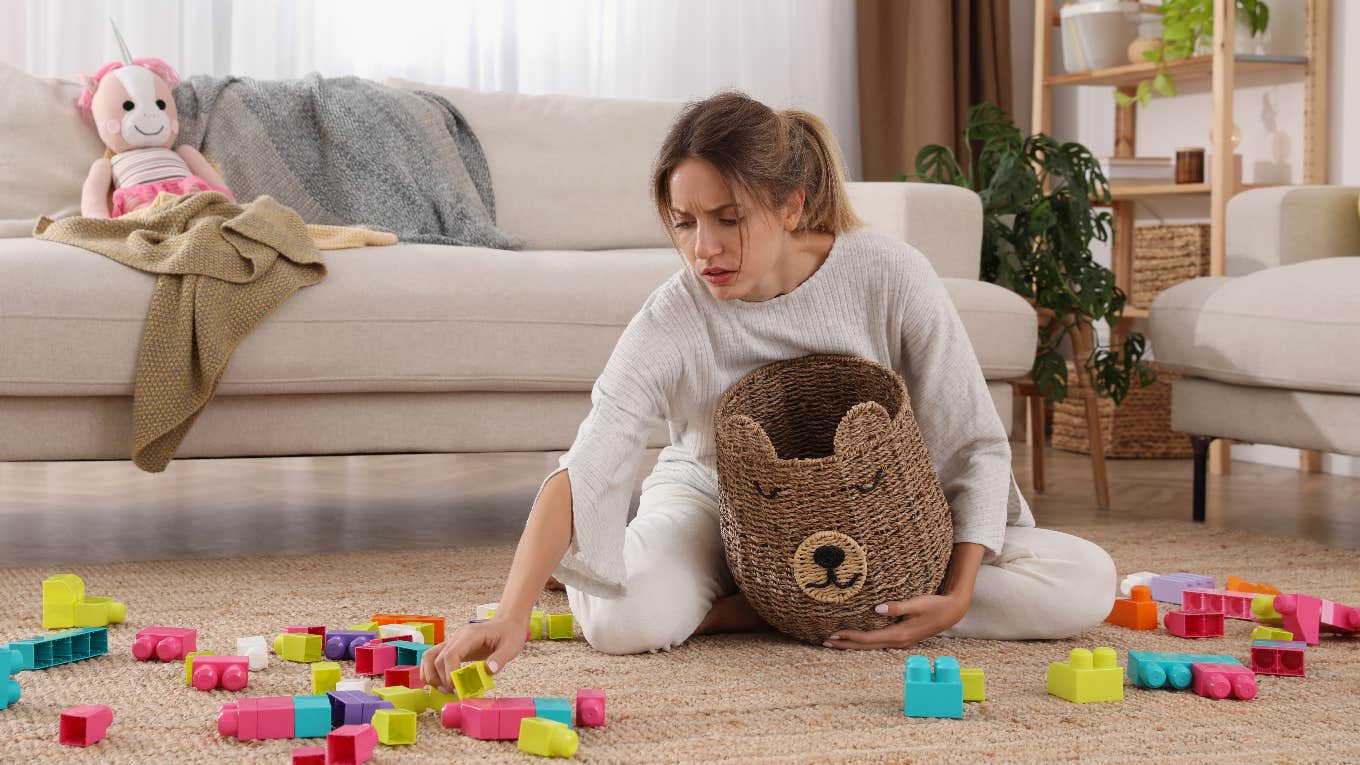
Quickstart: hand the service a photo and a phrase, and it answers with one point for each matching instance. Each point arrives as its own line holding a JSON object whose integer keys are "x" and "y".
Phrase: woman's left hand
{"x": 922, "y": 617}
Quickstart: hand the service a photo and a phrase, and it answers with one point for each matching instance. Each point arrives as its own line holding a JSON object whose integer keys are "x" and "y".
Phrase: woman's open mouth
{"x": 718, "y": 276}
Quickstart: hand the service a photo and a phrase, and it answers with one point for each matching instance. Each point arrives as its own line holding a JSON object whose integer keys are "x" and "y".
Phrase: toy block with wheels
{"x": 472, "y": 680}
{"x": 932, "y": 691}
{"x": 411, "y": 699}
{"x": 436, "y": 621}
{"x": 1219, "y": 681}
{"x": 553, "y": 709}
{"x": 590, "y": 707}
{"x": 1263, "y": 632}
{"x": 1278, "y": 657}
{"x": 209, "y": 672}
{"x": 395, "y": 727}
{"x": 11, "y": 662}
{"x": 65, "y": 605}
{"x": 164, "y": 643}
{"x": 547, "y": 738}
{"x": 63, "y": 647}
{"x": 403, "y": 674}
{"x": 561, "y": 626}
{"x": 341, "y": 644}
{"x": 325, "y": 676}
{"x": 308, "y": 755}
{"x": 302, "y": 647}
{"x": 353, "y": 707}
{"x": 1148, "y": 669}
{"x": 1137, "y": 612}
{"x": 1233, "y": 605}
{"x": 311, "y": 716}
{"x": 374, "y": 658}
{"x": 1167, "y": 588}
{"x": 974, "y": 684}
{"x": 351, "y": 744}
{"x": 1087, "y": 677}
{"x": 1187, "y": 624}
{"x": 84, "y": 725}
{"x": 254, "y": 648}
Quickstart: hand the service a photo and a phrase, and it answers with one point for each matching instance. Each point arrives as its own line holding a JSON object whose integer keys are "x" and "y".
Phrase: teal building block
{"x": 11, "y": 661}
{"x": 1148, "y": 669}
{"x": 409, "y": 652}
{"x": 928, "y": 692}
{"x": 554, "y": 709}
{"x": 311, "y": 716}
{"x": 62, "y": 647}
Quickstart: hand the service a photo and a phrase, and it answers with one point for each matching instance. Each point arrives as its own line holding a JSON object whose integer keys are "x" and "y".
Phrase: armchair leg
{"x": 1201, "y": 447}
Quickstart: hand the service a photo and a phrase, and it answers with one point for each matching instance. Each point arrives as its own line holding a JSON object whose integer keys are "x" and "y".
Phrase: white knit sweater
{"x": 875, "y": 297}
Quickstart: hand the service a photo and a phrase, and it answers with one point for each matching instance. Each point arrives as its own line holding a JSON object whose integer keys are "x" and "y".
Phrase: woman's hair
{"x": 767, "y": 154}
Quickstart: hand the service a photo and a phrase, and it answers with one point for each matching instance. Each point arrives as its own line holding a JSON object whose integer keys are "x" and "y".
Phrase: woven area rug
{"x": 716, "y": 699}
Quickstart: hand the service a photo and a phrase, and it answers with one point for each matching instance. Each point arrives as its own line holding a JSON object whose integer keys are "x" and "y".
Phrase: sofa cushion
{"x": 1293, "y": 327}
{"x": 409, "y": 317}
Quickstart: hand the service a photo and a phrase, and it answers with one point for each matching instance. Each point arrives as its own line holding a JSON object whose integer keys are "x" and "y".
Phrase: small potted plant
{"x": 1185, "y": 25}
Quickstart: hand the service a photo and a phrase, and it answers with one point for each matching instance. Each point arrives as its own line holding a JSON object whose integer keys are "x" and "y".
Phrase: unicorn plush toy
{"x": 134, "y": 112}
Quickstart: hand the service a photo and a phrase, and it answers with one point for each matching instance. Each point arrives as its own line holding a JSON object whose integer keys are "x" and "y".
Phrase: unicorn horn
{"x": 127, "y": 57}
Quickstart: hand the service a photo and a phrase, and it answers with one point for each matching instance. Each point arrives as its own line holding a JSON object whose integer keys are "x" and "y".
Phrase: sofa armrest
{"x": 943, "y": 222}
{"x": 1290, "y": 224}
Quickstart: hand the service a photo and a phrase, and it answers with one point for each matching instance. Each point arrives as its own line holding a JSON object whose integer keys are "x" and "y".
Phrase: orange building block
{"x": 1241, "y": 585}
{"x": 437, "y": 621}
{"x": 1137, "y": 612}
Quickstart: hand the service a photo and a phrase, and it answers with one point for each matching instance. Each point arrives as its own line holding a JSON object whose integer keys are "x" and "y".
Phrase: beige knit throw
{"x": 224, "y": 267}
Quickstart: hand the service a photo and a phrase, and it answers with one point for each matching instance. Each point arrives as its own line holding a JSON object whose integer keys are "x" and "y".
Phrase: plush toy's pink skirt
{"x": 130, "y": 198}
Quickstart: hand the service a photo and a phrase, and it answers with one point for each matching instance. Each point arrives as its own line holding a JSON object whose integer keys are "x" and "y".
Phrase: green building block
{"x": 1087, "y": 677}
{"x": 325, "y": 676}
{"x": 298, "y": 646}
{"x": 472, "y": 680}
{"x": 412, "y": 699}
{"x": 974, "y": 684}
{"x": 547, "y": 738}
{"x": 561, "y": 626}
{"x": 395, "y": 726}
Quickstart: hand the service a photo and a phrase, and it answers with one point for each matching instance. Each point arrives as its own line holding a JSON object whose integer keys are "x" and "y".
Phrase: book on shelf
{"x": 1126, "y": 170}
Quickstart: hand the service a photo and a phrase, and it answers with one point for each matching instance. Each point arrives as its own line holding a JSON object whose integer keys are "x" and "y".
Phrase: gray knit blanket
{"x": 347, "y": 151}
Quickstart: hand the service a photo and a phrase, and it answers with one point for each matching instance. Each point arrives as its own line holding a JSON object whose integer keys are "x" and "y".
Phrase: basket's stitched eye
{"x": 878, "y": 477}
{"x": 773, "y": 492}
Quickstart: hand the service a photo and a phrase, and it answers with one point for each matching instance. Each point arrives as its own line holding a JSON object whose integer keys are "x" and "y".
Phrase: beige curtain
{"x": 922, "y": 63}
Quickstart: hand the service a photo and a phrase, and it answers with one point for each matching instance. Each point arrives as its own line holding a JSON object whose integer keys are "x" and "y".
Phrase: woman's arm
{"x": 924, "y": 616}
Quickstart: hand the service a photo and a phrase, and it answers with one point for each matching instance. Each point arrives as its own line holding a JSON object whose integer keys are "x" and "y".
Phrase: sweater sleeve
{"x": 628, "y": 399}
{"x": 954, "y": 410}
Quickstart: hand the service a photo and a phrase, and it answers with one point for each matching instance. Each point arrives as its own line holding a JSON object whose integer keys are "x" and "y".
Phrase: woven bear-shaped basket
{"x": 828, "y": 501}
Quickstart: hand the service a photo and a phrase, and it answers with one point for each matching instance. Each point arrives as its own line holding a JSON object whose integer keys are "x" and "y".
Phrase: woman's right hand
{"x": 498, "y": 641}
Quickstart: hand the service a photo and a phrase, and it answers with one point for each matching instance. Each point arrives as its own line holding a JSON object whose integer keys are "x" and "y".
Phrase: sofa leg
{"x": 1201, "y": 446}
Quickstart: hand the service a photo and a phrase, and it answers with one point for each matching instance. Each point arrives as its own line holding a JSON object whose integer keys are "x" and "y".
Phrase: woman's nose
{"x": 709, "y": 242}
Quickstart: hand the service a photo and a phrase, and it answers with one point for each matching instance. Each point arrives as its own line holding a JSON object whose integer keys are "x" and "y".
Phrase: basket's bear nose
{"x": 828, "y": 557}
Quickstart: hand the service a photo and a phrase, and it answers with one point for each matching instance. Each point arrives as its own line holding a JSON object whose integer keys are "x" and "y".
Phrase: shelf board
{"x": 1148, "y": 190}
{"x": 1185, "y": 70}
{"x": 1133, "y": 312}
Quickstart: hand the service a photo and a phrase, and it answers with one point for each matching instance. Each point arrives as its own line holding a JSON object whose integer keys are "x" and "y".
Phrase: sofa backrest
{"x": 46, "y": 146}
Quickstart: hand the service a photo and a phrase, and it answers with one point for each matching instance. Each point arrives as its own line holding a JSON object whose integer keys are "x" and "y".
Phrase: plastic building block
{"x": 11, "y": 662}
{"x": 231, "y": 673}
{"x": 311, "y": 716}
{"x": 932, "y": 692}
{"x": 547, "y": 738}
{"x": 974, "y": 684}
{"x": 309, "y": 755}
{"x": 1263, "y": 608}
{"x": 256, "y": 649}
{"x": 84, "y": 725}
{"x": 1241, "y": 585}
{"x": 314, "y": 629}
{"x": 364, "y": 627}
{"x": 436, "y": 699}
{"x": 477, "y": 718}
{"x": 1189, "y": 624}
{"x": 1127, "y": 584}
{"x": 409, "y": 652}
{"x": 340, "y": 644}
{"x": 1137, "y": 612}
{"x": 487, "y": 610}
{"x": 510, "y": 712}
{"x": 1219, "y": 681}
{"x": 1278, "y": 657}
{"x": 374, "y": 658}
{"x": 189, "y": 664}
{"x": 1263, "y": 632}
{"x": 536, "y": 624}
{"x": 590, "y": 706}
{"x": 1168, "y": 587}
{"x": 325, "y": 676}
{"x": 1340, "y": 618}
{"x": 1301, "y": 615}
{"x": 1233, "y": 605}
{"x": 1087, "y": 677}
{"x": 403, "y": 631}
{"x": 412, "y": 699}
{"x": 472, "y": 680}
{"x": 354, "y": 708}
{"x": 561, "y": 626}
{"x": 65, "y": 605}
{"x": 262, "y": 717}
{"x": 426, "y": 631}
{"x": 165, "y": 643}
{"x": 359, "y": 684}
{"x": 62, "y": 647}
{"x": 351, "y": 744}
{"x": 1169, "y": 670}
{"x": 553, "y": 709}
{"x": 298, "y": 646}
{"x": 437, "y": 621}
{"x": 395, "y": 726}
{"x": 403, "y": 674}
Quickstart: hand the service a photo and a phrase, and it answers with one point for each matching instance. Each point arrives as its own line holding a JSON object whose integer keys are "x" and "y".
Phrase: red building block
{"x": 1137, "y": 612}
{"x": 165, "y": 643}
{"x": 403, "y": 674}
{"x": 1194, "y": 625}
{"x": 84, "y": 725}
{"x": 1219, "y": 681}
{"x": 229, "y": 672}
{"x": 590, "y": 701}
{"x": 437, "y": 621}
{"x": 1270, "y": 657}
{"x": 310, "y": 630}
{"x": 351, "y": 744}
{"x": 309, "y": 755}
{"x": 1301, "y": 615}
{"x": 374, "y": 658}
{"x": 1233, "y": 605}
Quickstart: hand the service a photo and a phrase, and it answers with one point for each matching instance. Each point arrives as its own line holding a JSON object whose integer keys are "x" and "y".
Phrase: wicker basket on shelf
{"x": 1139, "y": 428}
{"x": 1166, "y": 255}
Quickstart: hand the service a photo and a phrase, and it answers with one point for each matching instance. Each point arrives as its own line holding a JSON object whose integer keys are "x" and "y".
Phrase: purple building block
{"x": 1168, "y": 587}
{"x": 340, "y": 644}
{"x": 354, "y": 708}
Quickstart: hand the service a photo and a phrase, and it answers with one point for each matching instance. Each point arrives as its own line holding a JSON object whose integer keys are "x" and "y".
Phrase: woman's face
{"x": 706, "y": 219}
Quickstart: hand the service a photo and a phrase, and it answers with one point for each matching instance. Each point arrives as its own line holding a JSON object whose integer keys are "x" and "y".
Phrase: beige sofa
{"x": 1271, "y": 351}
{"x": 424, "y": 348}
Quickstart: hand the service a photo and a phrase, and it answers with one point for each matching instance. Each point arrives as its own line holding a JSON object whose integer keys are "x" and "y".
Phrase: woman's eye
{"x": 730, "y": 222}
{"x": 771, "y": 494}
{"x": 681, "y": 224}
{"x": 128, "y": 106}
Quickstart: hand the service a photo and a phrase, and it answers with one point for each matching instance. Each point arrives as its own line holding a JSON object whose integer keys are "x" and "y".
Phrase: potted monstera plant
{"x": 1039, "y": 219}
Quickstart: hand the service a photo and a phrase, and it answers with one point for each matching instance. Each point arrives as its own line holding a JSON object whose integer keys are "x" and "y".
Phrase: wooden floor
{"x": 108, "y": 511}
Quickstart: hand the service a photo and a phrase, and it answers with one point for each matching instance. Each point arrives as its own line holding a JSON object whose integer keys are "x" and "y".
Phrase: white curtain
{"x": 787, "y": 53}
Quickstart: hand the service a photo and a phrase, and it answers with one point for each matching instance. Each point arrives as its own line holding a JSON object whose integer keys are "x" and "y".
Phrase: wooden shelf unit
{"x": 1187, "y": 70}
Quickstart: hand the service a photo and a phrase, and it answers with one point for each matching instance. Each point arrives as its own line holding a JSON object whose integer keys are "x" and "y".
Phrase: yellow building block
{"x": 561, "y": 626}
{"x": 411, "y": 699}
{"x": 364, "y": 627}
{"x": 436, "y": 699}
{"x": 537, "y": 620}
{"x": 189, "y": 665}
{"x": 1263, "y": 608}
{"x": 426, "y": 630}
{"x": 547, "y": 738}
{"x": 1087, "y": 677}
{"x": 472, "y": 680}
{"x": 487, "y": 610}
{"x": 65, "y": 605}
{"x": 325, "y": 675}
{"x": 974, "y": 684}
{"x": 395, "y": 726}
{"x": 298, "y": 646}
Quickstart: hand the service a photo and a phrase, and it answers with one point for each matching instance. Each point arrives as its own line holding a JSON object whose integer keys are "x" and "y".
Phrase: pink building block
{"x": 257, "y": 718}
{"x": 1233, "y": 605}
{"x": 310, "y": 630}
{"x": 229, "y": 672}
{"x": 1301, "y": 615}
{"x": 403, "y": 674}
{"x": 509, "y": 713}
{"x": 589, "y": 708}
{"x": 1277, "y": 657}
{"x": 84, "y": 725}
{"x": 1193, "y": 625}
{"x": 165, "y": 643}
{"x": 487, "y": 719}
{"x": 1340, "y": 618}
{"x": 374, "y": 658}
{"x": 351, "y": 744}
{"x": 1219, "y": 681}
{"x": 309, "y": 755}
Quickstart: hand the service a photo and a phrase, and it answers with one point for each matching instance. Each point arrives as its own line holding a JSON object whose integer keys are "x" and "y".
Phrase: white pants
{"x": 1044, "y": 584}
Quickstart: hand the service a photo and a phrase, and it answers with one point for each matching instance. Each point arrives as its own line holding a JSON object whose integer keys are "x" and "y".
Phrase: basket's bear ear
{"x": 864, "y": 425}
{"x": 753, "y": 440}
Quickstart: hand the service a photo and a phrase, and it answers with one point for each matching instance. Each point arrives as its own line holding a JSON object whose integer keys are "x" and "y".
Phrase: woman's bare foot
{"x": 553, "y": 584}
{"x": 731, "y": 614}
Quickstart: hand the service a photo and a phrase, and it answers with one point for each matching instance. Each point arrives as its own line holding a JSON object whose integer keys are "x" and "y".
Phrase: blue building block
{"x": 62, "y": 647}
{"x": 932, "y": 693}
{"x": 10, "y": 662}
{"x": 311, "y": 716}
{"x": 554, "y": 709}
{"x": 409, "y": 653}
{"x": 354, "y": 707}
{"x": 1147, "y": 669}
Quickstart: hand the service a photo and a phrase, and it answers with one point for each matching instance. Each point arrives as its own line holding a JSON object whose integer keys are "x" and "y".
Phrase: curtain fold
{"x": 922, "y": 64}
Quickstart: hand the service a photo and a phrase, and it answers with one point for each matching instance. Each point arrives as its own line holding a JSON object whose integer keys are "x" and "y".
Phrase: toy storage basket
{"x": 1139, "y": 428}
{"x": 1164, "y": 256}
{"x": 828, "y": 501}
